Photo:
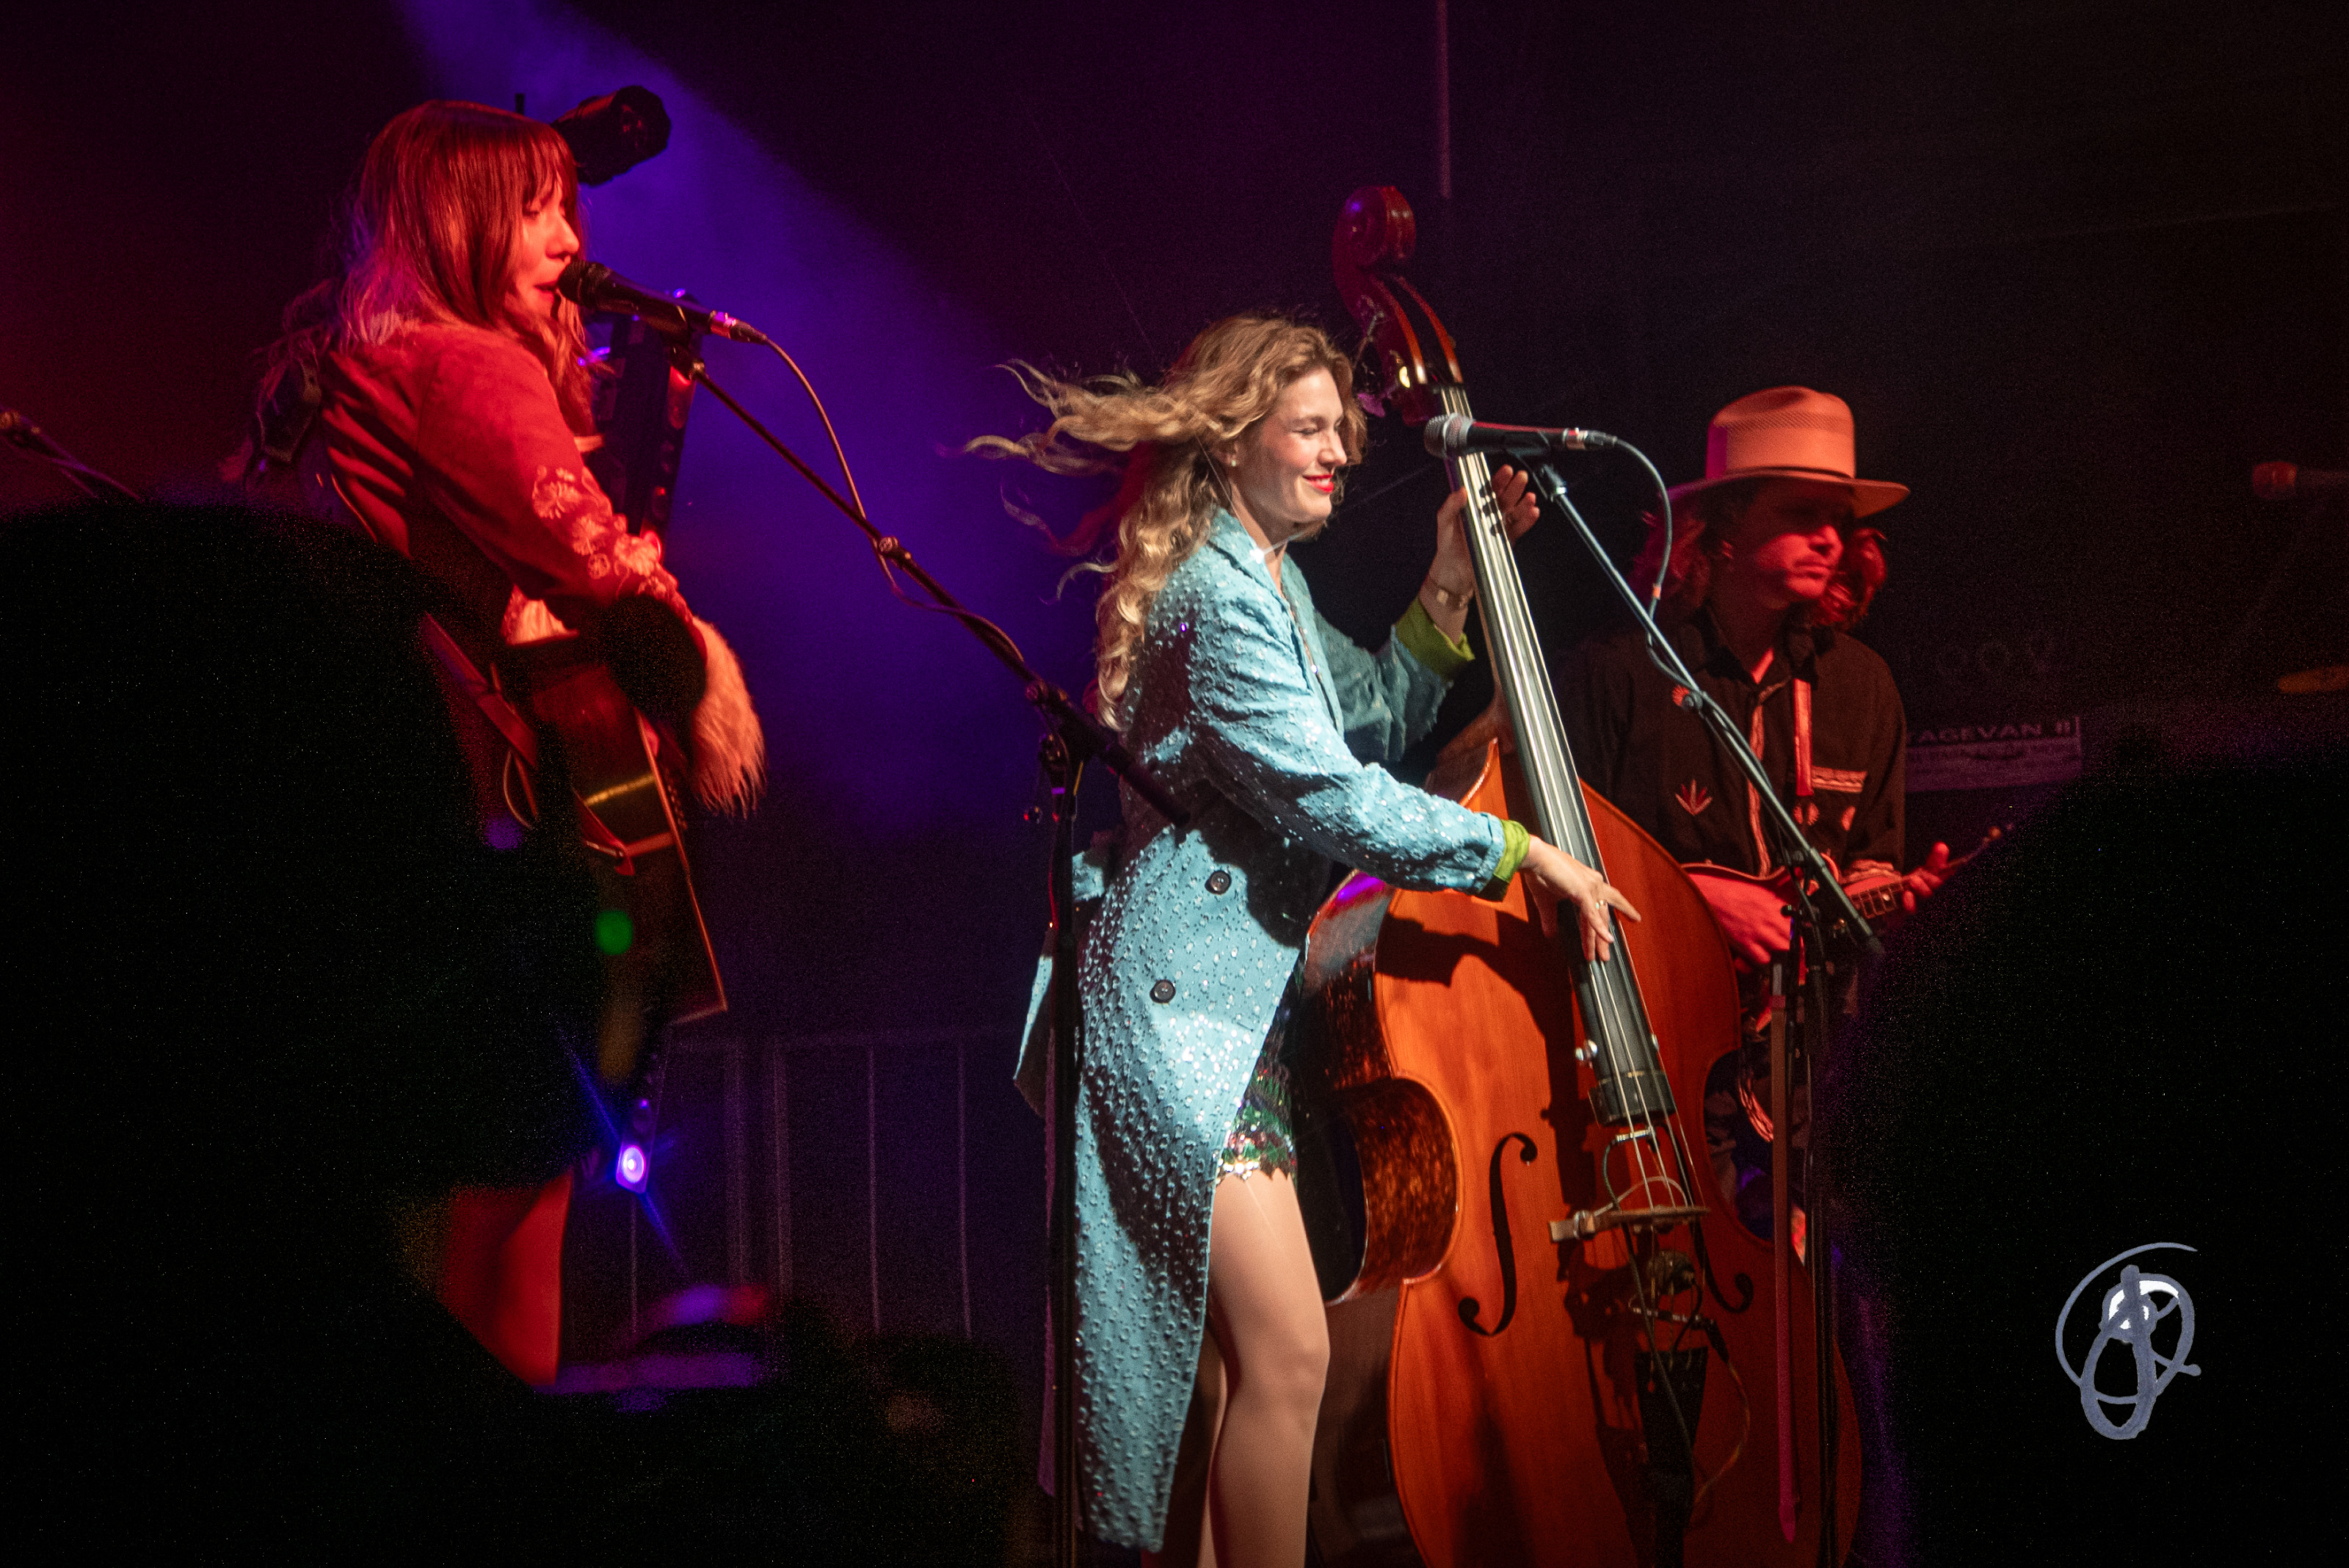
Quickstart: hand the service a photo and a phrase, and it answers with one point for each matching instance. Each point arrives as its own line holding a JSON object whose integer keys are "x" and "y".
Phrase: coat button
{"x": 1162, "y": 991}
{"x": 1221, "y": 882}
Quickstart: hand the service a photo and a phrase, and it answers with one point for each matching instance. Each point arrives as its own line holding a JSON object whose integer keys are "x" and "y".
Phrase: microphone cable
{"x": 987, "y": 630}
{"x": 832, "y": 434}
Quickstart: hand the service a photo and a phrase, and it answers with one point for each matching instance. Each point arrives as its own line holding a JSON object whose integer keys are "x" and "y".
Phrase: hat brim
{"x": 1868, "y": 497}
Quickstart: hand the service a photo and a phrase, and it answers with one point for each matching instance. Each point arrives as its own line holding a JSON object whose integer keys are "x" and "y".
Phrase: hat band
{"x": 1765, "y": 470}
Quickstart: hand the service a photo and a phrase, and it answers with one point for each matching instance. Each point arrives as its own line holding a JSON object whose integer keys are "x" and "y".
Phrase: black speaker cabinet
{"x": 2086, "y": 1109}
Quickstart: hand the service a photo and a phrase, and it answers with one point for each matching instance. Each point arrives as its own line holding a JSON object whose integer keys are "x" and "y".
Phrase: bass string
{"x": 1512, "y": 644}
{"x": 1548, "y": 765}
{"x": 1547, "y": 762}
{"x": 1516, "y": 651}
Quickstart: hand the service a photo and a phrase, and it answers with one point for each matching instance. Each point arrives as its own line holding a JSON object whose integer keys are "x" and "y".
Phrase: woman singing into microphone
{"x": 1201, "y": 1343}
{"x": 451, "y": 393}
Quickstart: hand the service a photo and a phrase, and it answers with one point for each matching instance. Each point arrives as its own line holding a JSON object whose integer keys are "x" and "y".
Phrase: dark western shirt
{"x": 1660, "y": 766}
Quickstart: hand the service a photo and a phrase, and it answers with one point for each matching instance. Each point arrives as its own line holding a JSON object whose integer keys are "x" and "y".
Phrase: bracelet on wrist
{"x": 1446, "y": 599}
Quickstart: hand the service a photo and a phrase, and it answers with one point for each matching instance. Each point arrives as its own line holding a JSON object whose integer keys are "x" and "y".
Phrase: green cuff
{"x": 1417, "y": 631}
{"x": 1514, "y": 841}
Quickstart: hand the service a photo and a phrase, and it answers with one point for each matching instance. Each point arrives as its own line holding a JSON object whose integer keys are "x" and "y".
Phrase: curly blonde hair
{"x": 1219, "y": 392}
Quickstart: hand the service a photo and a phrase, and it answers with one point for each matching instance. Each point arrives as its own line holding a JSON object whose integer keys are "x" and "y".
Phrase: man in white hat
{"x": 1771, "y": 567}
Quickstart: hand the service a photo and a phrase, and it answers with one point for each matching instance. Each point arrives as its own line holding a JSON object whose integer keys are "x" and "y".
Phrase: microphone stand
{"x": 1822, "y": 913}
{"x": 30, "y": 438}
{"x": 1843, "y": 918}
{"x": 1072, "y": 737}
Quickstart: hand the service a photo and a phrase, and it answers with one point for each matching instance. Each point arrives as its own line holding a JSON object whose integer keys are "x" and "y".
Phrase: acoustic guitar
{"x": 627, "y": 809}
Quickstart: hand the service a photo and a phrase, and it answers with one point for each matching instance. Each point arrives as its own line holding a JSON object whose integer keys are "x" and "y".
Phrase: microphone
{"x": 592, "y": 285}
{"x": 2290, "y": 481}
{"x": 1457, "y": 435}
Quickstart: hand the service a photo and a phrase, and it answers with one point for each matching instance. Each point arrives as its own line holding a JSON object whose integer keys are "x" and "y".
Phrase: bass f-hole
{"x": 1470, "y": 1308}
{"x": 1452, "y": 1434}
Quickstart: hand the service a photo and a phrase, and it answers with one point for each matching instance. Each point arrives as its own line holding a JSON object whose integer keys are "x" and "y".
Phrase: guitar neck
{"x": 1875, "y": 903}
{"x": 1876, "y": 899}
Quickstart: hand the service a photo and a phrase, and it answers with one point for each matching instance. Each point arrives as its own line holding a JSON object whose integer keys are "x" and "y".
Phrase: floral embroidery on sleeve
{"x": 559, "y": 495}
{"x": 567, "y": 503}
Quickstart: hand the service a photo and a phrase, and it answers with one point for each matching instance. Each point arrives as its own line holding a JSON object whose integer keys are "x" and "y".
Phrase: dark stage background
{"x": 2076, "y": 265}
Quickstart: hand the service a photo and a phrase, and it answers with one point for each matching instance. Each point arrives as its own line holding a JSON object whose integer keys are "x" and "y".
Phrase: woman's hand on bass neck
{"x": 1450, "y": 582}
{"x": 1553, "y": 877}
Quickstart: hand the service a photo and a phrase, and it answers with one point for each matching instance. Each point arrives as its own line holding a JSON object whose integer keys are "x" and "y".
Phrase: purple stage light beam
{"x": 921, "y": 733}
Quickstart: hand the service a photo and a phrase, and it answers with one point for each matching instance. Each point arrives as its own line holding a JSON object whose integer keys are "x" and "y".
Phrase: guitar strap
{"x": 502, "y": 715}
{"x": 1754, "y": 802}
{"x": 1807, "y": 811}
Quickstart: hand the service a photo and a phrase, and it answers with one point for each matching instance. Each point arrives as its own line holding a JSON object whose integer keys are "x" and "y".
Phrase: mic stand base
{"x": 1820, "y": 1227}
{"x": 1064, "y": 772}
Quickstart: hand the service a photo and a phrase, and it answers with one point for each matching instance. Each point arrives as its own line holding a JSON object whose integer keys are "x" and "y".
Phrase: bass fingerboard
{"x": 1625, "y": 1058}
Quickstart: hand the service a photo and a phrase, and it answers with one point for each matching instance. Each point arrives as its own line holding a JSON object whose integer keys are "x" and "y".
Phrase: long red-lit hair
{"x": 428, "y": 237}
{"x": 1699, "y": 532}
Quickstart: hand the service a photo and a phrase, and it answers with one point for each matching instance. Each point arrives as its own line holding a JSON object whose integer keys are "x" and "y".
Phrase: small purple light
{"x": 502, "y": 833}
{"x": 630, "y": 1169}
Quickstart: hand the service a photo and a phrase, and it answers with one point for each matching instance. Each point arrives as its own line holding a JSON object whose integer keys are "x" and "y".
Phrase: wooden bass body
{"x": 1437, "y": 1039}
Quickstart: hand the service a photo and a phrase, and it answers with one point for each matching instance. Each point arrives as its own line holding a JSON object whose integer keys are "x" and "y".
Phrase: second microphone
{"x": 1457, "y": 435}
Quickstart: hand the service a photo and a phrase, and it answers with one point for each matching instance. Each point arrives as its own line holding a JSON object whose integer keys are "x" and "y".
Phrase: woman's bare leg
{"x": 494, "y": 1257}
{"x": 1264, "y": 1309}
{"x": 1188, "y": 1542}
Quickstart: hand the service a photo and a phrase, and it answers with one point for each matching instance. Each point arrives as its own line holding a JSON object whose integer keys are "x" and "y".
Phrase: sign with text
{"x": 1994, "y": 756}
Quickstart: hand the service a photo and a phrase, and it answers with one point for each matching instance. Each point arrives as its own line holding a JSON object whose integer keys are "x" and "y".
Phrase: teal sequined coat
{"x": 1270, "y": 727}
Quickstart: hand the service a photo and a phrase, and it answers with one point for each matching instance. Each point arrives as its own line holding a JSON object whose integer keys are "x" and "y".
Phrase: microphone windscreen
{"x": 580, "y": 280}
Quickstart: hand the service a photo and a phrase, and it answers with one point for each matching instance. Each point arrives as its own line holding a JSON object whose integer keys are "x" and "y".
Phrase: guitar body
{"x": 1875, "y": 893}
{"x": 629, "y": 805}
{"x": 1439, "y": 1029}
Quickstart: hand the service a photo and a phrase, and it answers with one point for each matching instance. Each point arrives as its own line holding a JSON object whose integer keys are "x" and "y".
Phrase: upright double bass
{"x": 1541, "y": 1351}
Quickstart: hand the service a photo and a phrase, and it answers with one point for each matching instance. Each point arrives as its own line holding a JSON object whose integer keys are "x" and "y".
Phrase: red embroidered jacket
{"x": 448, "y": 444}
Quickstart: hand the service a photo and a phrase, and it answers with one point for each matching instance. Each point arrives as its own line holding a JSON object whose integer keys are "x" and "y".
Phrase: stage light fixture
{"x": 612, "y": 134}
